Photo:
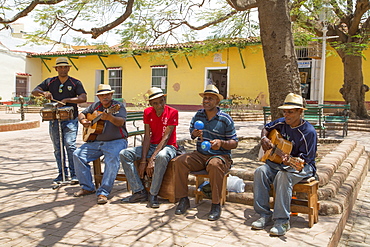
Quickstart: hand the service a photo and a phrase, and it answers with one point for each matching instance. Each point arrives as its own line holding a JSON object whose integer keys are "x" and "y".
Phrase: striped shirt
{"x": 220, "y": 127}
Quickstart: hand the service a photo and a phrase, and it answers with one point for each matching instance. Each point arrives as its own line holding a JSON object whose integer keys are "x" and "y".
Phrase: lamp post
{"x": 324, "y": 14}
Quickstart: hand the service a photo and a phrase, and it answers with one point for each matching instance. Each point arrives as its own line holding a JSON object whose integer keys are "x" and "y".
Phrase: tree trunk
{"x": 353, "y": 89}
{"x": 279, "y": 54}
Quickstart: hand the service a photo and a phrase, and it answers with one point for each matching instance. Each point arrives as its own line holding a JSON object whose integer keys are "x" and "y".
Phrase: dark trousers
{"x": 216, "y": 166}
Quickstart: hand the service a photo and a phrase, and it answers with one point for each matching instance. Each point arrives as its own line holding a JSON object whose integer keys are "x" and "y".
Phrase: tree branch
{"x": 97, "y": 31}
{"x": 242, "y": 5}
{"x": 212, "y": 22}
{"x": 361, "y": 7}
{"x": 28, "y": 9}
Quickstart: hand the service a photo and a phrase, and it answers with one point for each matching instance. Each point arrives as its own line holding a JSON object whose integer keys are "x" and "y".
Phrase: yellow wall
{"x": 184, "y": 84}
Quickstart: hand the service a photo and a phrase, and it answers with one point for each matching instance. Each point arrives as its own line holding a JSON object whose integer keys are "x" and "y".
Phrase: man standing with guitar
{"x": 104, "y": 123}
{"x": 290, "y": 145}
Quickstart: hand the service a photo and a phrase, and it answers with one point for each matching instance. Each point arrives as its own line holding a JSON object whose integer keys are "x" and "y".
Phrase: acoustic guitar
{"x": 279, "y": 149}
{"x": 97, "y": 125}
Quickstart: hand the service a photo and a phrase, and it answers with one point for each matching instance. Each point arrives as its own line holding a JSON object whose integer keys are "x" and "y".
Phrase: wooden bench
{"x": 199, "y": 179}
{"x": 309, "y": 205}
{"x": 167, "y": 190}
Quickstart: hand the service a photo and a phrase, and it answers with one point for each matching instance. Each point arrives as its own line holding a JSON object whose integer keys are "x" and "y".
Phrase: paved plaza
{"x": 33, "y": 214}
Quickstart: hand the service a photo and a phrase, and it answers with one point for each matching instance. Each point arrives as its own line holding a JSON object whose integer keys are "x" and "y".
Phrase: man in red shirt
{"x": 159, "y": 147}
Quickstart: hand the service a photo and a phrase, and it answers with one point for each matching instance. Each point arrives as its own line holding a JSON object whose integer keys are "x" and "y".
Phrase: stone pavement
{"x": 33, "y": 214}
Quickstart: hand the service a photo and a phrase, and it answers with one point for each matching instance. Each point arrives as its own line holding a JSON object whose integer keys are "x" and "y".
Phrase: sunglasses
{"x": 61, "y": 88}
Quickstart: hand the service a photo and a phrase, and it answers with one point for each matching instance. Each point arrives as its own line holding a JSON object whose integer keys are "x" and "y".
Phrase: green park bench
{"x": 225, "y": 105}
{"x": 134, "y": 117}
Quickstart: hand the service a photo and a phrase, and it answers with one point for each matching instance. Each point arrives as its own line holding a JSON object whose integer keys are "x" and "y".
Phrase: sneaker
{"x": 58, "y": 179}
{"x": 280, "y": 229}
{"x": 74, "y": 180}
{"x": 261, "y": 222}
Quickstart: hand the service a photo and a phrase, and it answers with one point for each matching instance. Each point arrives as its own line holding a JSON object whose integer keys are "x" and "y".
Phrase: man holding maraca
{"x": 216, "y": 136}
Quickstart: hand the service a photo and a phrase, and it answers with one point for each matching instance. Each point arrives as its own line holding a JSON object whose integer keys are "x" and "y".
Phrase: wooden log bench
{"x": 167, "y": 190}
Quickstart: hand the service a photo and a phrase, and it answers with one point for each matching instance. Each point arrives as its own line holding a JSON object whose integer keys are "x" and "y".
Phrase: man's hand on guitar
{"x": 295, "y": 162}
{"x": 85, "y": 122}
{"x": 106, "y": 116}
{"x": 266, "y": 144}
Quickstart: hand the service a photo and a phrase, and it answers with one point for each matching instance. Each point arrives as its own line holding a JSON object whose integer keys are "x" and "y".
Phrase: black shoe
{"x": 153, "y": 201}
{"x": 140, "y": 196}
{"x": 215, "y": 212}
{"x": 184, "y": 204}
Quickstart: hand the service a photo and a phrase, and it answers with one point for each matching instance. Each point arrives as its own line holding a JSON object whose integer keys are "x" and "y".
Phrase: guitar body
{"x": 279, "y": 142}
{"x": 97, "y": 125}
{"x": 280, "y": 148}
{"x": 90, "y": 134}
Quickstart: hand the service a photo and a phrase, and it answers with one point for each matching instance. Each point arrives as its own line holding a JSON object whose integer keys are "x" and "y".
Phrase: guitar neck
{"x": 109, "y": 110}
{"x": 95, "y": 120}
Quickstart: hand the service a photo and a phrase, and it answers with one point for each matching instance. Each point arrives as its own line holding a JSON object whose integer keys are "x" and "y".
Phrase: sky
{"x": 109, "y": 37}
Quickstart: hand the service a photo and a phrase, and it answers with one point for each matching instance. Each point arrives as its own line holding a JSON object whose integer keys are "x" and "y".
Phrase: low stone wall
{"x": 19, "y": 125}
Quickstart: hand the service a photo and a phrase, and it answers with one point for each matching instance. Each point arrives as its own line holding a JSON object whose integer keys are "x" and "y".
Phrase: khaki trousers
{"x": 216, "y": 166}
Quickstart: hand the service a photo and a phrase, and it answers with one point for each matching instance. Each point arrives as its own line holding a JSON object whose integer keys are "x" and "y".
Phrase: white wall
{"x": 11, "y": 63}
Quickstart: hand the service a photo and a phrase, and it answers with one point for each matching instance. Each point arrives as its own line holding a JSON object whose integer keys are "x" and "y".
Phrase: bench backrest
{"x": 266, "y": 113}
{"x": 133, "y": 116}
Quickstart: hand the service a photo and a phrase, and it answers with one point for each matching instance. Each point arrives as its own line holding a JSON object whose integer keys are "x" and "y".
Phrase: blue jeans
{"x": 130, "y": 155}
{"x": 69, "y": 130}
{"x": 90, "y": 151}
{"x": 283, "y": 181}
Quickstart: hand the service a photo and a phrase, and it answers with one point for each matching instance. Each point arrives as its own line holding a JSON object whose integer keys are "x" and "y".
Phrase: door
{"x": 21, "y": 86}
{"x": 219, "y": 78}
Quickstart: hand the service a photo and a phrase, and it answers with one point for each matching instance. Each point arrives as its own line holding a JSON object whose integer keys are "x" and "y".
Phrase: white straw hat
{"x": 212, "y": 89}
{"x": 62, "y": 61}
{"x": 293, "y": 101}
{"x": 155, "y": 92}
{"x": 104, "y": 89}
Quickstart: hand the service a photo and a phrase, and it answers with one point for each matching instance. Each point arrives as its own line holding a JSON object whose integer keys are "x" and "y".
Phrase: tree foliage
{"x": 350, "y": 22}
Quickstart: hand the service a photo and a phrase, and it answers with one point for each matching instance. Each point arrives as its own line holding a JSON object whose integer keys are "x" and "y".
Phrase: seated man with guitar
{"x": 290, "y": 150}
{"x": 105, "y": 134}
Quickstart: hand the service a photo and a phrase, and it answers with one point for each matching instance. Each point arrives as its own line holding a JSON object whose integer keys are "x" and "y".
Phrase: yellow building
{"x": 237, "y": 69}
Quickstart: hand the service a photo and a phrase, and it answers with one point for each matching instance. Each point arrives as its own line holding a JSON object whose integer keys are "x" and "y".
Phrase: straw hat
{"x": 62, "y": 61}
{"x": 155, "y": 92}
{"x": 104, "y": 89}
{"x": 212, "y": 89}
{"x": 293, "y": 101}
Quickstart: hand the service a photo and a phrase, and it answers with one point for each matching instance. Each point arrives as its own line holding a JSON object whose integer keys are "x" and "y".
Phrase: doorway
{"x": 218, "y": 77}
{"x": 21, "y": 86}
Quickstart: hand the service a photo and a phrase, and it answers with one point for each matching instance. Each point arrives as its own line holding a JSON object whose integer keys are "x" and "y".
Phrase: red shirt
{"x": 158, "y": 125}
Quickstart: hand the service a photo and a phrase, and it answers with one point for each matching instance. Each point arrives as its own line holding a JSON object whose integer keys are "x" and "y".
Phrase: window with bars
{"x": 115, "y": 81}
{"x": 159, "y": 77}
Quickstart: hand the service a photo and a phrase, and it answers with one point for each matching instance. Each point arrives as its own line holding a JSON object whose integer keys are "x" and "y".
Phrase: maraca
{"x": 205, "y": 146}
{"x": 199, "y": 125}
